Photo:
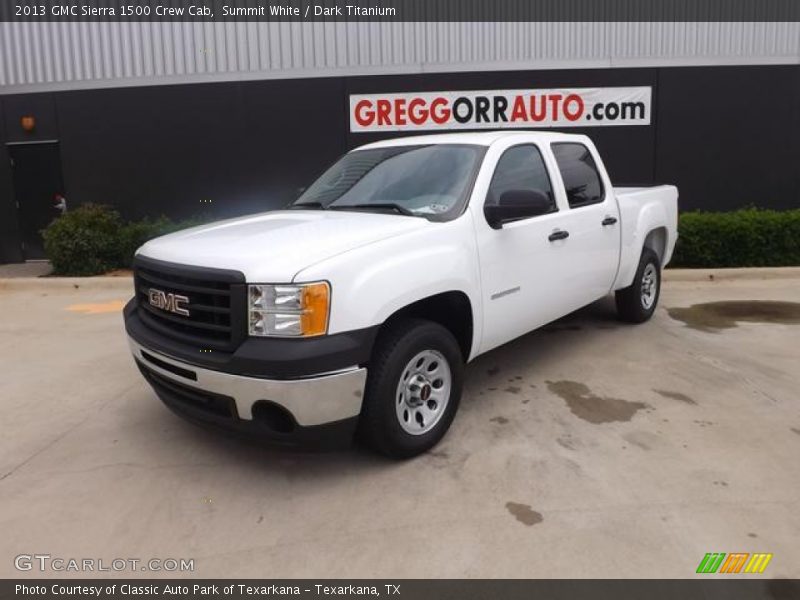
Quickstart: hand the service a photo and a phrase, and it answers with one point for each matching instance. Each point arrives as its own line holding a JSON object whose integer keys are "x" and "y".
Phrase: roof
{"x": 39, "y": 56}
{"x": 483, "y": 138}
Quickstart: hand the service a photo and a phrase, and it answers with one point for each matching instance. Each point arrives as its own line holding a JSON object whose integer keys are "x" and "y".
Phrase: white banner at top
{"x": 498, "y": 109}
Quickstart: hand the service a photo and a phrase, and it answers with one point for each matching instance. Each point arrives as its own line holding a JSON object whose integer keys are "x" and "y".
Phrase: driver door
{"x": 523, "y": 279}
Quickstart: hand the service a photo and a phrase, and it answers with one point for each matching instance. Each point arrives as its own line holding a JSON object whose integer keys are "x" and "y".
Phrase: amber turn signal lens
{"x": 316, "y": 304}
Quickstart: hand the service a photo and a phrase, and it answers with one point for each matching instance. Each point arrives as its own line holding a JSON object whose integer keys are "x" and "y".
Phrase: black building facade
{"x": 727, "y": 136}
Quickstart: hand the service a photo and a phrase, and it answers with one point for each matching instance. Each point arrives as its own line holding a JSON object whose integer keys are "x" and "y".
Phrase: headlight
{"x": 288, "y": 310}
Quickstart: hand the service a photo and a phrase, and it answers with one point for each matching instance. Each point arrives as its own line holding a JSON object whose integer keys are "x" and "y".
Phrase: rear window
{"x": 579, "y": 172}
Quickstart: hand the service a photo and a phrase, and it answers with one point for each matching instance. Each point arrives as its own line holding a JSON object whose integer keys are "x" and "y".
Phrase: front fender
{"x": 370, "y": 283}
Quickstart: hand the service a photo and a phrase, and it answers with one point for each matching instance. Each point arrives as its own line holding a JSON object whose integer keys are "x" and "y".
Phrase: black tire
{"x": 631, "y": 301}
{"x": 379, "y": 425}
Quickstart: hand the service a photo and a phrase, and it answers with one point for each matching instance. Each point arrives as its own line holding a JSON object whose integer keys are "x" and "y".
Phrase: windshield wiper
{"x": 379, "y": 205}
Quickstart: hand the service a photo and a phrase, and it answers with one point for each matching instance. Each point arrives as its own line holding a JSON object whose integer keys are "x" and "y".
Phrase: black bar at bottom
{"x": 711, "y": 587}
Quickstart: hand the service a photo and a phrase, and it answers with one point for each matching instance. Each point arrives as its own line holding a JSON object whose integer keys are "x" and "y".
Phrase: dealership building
{"x": 226, "y": 118}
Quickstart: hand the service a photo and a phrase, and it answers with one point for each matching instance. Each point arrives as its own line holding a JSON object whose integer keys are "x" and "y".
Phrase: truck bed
{"x": 640, "y": 207}
{"x": 630, "y": 190}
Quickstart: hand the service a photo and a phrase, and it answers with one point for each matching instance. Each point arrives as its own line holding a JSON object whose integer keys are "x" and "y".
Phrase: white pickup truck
{"x": 355, "y": 309}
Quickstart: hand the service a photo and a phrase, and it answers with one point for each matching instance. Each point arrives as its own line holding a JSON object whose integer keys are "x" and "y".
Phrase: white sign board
{"x": 498, "y": 109}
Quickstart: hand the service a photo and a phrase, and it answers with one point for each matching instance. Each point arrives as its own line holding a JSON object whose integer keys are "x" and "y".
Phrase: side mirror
{"x": 517, "y": 204}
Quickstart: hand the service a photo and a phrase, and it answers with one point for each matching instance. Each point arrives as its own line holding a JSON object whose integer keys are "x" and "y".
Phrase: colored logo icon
{"x": 735, "y": 562}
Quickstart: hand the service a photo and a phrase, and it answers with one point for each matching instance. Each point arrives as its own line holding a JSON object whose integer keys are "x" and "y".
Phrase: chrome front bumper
{"x": 312, "y": 401}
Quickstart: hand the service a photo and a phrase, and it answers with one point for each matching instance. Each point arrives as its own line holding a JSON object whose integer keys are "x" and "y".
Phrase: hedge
{"x": 749, "y": 237}
{"x": 84, "y": 241}
{"x": 93, "y": 239}
{"x": 136, "y": 233}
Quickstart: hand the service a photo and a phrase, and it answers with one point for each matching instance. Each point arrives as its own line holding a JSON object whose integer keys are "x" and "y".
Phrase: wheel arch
{"x": 452, "y": 310}
{"x": 650, "y": 230}
{"x": 656, "y": 240}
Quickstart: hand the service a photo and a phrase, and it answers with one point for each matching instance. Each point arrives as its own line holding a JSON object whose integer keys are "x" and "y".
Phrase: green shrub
{"x": 136, "y": 233}
{"x": 84, "y": 241}
{"x": 92, "y": 239}
{"x": 744, "y": 238}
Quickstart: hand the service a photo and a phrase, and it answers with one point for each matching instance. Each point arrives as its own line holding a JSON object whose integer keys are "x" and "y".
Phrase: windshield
{"x": 430, "y": 181}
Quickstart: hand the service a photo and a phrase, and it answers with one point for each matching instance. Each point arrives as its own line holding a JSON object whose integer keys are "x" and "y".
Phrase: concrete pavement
{"x": 588, "y": 449}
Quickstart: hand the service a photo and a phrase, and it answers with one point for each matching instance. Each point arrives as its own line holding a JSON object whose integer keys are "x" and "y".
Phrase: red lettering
{"x": 384, "y": 108}
{"x": 417, "y": 117}
{"x": 439, "y": 111}
{"x": 554, "y": 100}
{"x": 518, "y": 113}
{"x": 542, "y": 108}
{"x": 400, "y": 111}
{"x": 364, "y": 114}
{"x": 577, "y": 112}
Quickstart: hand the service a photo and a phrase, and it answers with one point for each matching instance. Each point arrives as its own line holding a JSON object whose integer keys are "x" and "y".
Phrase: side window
{"x": 579, "y": 172}
{"x": 520, "y": 168}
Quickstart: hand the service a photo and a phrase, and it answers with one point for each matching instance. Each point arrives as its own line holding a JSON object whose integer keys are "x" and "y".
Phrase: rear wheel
{"x": 637, "y": 302}
{"x": 413, "y": 388}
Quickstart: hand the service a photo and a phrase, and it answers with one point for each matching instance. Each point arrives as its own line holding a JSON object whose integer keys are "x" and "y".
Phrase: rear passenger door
{"x": 592, "y": 249}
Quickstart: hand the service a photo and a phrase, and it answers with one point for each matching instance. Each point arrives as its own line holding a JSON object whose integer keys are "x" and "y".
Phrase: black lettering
{"x": 481, "y": 109}
{"x": 633, "y": 110}
{"x": 500, "y": 106}
{"x": 462, "y": 118}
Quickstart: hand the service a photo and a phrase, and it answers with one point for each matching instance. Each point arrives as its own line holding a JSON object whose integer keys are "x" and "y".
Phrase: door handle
{"x": 609, "y": 221}
{"x": 559, "y": 234}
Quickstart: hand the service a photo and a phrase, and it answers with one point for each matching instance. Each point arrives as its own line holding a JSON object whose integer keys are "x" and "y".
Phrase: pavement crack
{"x": 64, "y": 434}
{"x": 45, "y": 448}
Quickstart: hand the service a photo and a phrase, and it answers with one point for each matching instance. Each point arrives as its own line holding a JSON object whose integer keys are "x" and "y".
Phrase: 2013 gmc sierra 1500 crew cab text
{"x": 355, "y": 309}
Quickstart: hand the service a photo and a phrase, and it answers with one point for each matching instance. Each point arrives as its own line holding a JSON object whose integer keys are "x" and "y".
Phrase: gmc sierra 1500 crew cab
{"x": 355, "y": 309}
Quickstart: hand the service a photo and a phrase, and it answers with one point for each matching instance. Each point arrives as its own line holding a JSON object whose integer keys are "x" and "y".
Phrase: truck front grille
{"x": 216, "y": 303}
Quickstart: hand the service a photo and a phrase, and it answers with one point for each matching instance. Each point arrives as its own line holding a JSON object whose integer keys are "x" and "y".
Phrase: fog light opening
{"x": 274, "y": 417}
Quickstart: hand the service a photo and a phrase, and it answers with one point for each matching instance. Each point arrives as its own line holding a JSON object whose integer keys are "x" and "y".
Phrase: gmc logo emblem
{"x": 173, "y": 303}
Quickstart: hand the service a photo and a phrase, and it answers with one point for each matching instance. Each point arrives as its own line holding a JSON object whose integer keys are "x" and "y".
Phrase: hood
{"x": 273, "y": 247}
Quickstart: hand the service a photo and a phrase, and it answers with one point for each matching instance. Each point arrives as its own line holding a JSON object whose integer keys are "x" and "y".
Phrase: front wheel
{"x": 413, "y": 388}
{"x": 637, "y": 302}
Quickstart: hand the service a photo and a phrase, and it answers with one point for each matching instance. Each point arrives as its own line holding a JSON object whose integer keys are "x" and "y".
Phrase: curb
{"x": 34, "y": 284}
{"x": 125, "y": 283}
{"x": 751, "y": 273}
